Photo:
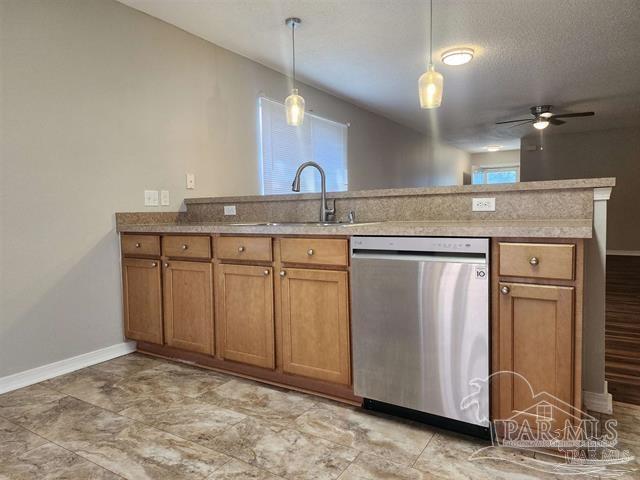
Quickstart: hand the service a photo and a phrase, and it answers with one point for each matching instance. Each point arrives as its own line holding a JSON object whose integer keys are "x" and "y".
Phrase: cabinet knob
{"x": 138, "y": 244}
{"x": 184, "y": 247}
{"x": 505, "y": 290}
{"x": 241, "y": 249}
{"x": 310, "y": 252}
{"x": 154, "y": 264}
{"x": 534, "y": 261}
{"x": 166, "y": 265}
{"x": 282, "y": 273}
{"x": 266, "y": 272}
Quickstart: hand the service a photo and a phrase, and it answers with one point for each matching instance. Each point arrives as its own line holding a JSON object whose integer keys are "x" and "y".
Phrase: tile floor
{"x": 138, "y": 417}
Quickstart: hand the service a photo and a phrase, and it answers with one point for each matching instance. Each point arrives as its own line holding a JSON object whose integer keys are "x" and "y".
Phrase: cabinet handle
{"x": 505, "y": 290}
{"x": 282, "y": 273}
{"x": 266, "y": 272}
{"x": 138, "y": 244}
{"x": 154, "y": 264}
{"x": 310, "y": 252}
{"x": 534, "y": 261}
{"x": 184, "y": 247}
{"x": 241, "y": 249}
{"x": 166, "y": 265}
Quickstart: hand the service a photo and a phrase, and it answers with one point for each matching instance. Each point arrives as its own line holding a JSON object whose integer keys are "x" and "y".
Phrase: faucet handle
{"x": 351, "y": 217}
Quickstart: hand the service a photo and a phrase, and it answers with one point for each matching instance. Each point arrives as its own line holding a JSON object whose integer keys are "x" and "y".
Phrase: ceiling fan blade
{"x": 522, "y": 123}
{"x": 555, "y": 121}
{"x": 514, "y": 121}
{"x": 580, "y": 114}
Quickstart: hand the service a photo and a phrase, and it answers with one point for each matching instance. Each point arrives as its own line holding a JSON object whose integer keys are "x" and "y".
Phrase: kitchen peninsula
{"x": 265, "y": 294}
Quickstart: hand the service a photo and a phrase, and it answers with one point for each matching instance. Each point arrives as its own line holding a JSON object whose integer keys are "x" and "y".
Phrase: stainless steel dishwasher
{"x": 420, "y": 320}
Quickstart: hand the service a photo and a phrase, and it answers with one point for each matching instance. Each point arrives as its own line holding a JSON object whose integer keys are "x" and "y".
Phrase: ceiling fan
{"x": 542, "y": 117}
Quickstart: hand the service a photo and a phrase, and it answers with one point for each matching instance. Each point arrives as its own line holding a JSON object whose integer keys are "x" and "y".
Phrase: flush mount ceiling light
{"x": 430, "y": 84}
{"x": 493, "y": 148}
{"x": 294, "y": 103}
{"x": 457, "y": 56}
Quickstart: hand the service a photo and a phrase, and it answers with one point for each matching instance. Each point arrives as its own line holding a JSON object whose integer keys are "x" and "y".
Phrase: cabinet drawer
{"x": 186, "y": 246}
{"x": 537, "y": 260}
{"x": 140, "y": 245}
{"x": 315, "y": 251}
{"x": 244, "y": 248}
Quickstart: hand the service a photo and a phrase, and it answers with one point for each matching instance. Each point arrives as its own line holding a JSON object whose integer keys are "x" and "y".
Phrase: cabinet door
{"x": 536, "y": 342}
{"x": 315, "y": 324}
{"x": 188, "y": 306}
{"x": 244, "y": 302}
{"x": 142, "y": 299}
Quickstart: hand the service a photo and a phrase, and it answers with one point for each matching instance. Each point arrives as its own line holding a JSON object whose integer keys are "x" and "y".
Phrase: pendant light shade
{"x": 294, "y": 103}
{"x": 431, "y": 83}
{"x": 430, "y": 88}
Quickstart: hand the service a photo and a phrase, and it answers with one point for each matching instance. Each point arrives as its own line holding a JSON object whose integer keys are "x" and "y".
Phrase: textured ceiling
{"x": 574, "y": 54}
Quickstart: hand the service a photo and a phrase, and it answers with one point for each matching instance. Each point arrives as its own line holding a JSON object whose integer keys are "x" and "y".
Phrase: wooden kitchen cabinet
{"x": 188, "y": 305}
{"x": 314, "y": 317}
{"x": 142, "y": 299}
{"x": 536, "y": 342}
{"x": 245, "y": 314}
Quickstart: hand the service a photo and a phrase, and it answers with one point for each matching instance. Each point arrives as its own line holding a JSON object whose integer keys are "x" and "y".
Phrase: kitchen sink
{"x": 299, "y": 224}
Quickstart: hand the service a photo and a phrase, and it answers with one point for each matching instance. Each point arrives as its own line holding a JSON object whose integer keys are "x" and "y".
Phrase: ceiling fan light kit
{"x": 540, "y": 123}
{"x": 543, "y": 117}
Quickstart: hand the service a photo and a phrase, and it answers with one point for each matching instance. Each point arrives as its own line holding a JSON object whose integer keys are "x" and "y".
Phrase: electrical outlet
{"x": 164, "y": 197}
{"x": 191, "y": 181}
{"x": 484, "y": 204}
{"x": 229, "y": 209}
{"x": 151, "y": 198}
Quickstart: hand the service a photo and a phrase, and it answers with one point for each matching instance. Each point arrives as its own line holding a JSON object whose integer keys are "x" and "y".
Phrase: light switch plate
{"x": 191, "y": 181}
{"x": 229, "y": 209}
{"x": 151, "y": 198}
{"x": 164, "y": 198}
{"x": 484, "y": 204}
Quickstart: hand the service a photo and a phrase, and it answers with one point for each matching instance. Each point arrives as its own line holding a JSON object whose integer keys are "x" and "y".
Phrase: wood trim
{"x": 341, "y": 393}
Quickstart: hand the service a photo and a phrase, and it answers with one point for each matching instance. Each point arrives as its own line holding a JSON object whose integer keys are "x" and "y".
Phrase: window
{"x": 489, "y": 175}
{"x": 283, "y": 148}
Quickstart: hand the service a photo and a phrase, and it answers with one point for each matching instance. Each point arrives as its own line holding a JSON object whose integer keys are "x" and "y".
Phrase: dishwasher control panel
{"x": 423, "y": 244}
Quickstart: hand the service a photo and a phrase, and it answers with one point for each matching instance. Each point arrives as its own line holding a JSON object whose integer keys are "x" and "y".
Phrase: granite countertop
{"x": 420, "y": 191}
{"x": 564, "y": 228}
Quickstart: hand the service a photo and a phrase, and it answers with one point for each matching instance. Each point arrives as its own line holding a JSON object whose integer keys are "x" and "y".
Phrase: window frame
{"x": 260, "y": 136}
{"x": 494, "y": 168}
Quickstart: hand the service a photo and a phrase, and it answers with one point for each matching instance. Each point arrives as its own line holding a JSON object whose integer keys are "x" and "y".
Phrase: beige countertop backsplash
{"x": 560, "y": 209}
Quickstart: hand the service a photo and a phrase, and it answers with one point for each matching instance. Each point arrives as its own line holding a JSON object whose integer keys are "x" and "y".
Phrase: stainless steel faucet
{"x": 325, "y": 210}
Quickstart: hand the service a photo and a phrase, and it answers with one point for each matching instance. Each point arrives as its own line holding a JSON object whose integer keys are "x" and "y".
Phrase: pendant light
{"x": 431, "y": 82}
{"x": 294, "y": 103}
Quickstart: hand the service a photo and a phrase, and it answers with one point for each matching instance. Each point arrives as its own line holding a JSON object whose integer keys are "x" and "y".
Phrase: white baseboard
{"x": 598, "y": 402}
{"x": 45, "y": 372}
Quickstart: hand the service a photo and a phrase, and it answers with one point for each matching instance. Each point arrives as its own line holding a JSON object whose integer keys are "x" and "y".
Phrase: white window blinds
{"x": 283, "y": 148}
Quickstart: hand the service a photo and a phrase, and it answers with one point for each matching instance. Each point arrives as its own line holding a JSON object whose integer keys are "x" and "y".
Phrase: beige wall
{"x": 99, "y": 103}
{"x": 609, "y": 153}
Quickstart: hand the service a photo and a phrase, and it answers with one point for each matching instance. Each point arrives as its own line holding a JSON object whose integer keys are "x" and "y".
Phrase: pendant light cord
{"x": 430, "y": 32}
{"x": 293, "y": 43}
